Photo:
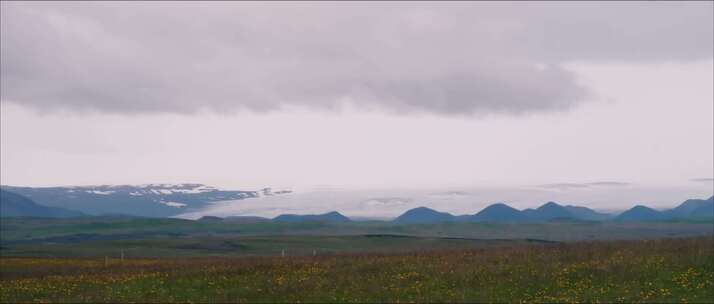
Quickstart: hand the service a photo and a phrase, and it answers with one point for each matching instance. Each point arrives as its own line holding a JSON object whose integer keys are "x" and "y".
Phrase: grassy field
{"x": 668, "y": 270}
{"x": 274, "y": 245}
{"x": 145, "y": 237}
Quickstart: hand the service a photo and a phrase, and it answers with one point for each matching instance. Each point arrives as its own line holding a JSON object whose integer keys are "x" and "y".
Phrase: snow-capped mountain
{"x": 146, "y": 189}
{"x": 139, "y": 200}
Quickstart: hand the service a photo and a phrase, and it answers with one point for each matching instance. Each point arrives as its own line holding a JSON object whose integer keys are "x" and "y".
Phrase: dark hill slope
{"x": 584, "y": 213}
{"x": 694, "y": 208}
{"x": 551, "y": 210}
{"x": 13, "y": 204}
{"x": 499, "y": 212}
{"x": 326, "y": 217}
{"x": 642, "y": 213}
{"x": 423, "y": 215}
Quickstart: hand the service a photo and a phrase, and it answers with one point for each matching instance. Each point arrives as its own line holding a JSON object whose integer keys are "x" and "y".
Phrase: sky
{"x": 602, "y": 102}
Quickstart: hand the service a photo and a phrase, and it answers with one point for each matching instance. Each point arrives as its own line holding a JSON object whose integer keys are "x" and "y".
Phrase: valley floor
{"x": 665, "y": 270}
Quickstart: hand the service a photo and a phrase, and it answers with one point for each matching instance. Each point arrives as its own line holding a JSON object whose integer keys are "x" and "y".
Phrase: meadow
{"x": 159, "y": 237}
{"x": 663, "y": 270}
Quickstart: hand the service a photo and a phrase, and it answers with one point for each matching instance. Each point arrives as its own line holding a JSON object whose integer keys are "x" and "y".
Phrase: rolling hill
{"x": 499, "y": 212}
{"x": 553, "y": 211}
{"x": 13, "y": 204}
{"x": 423, "y": 215}
{"x": 587, "y": 214}
{"x": 325, "y": 217}
{"x": 549, "y": 211}
{"x": 642, "y": 213}
{"x": 704, "y": 212}
{"x": 694, "y": 208}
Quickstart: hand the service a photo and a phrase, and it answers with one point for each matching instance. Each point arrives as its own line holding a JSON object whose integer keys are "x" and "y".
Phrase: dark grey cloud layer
{"x": 446, "y": 58}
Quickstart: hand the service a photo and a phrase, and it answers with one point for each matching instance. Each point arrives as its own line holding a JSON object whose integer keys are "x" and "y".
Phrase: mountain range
{"x": 551, "y": 211}
{"x": 423, "y": 215}
{"x": 13, "y": 204}
{"x": 162, "y": 200}
{"x": 501, "y": 212}
{"x": 689, "y": 209}
{"x": 152, "y": 200}
{"x": 641, "y": 213}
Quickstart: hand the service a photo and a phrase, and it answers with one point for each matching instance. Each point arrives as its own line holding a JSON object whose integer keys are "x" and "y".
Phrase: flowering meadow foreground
{"x": 670, "y": 270}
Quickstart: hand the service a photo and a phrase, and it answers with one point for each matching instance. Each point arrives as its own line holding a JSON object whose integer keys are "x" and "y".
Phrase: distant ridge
{"x": 587, "y": 214}
{"x": 551, "y": 211}
{"x": 642, "y": 213}
{"x": 423, "y": 215}
{"x": 499, "y": 212}
{"x": 689, "y": 209}
{"x": 244, "y": 219}
{"x": 694, "y": 208}
{"x": 168, "y": 200}
{"x": 150, "y": 200}
{"x": 13, "y": 204}
{"x": 333, "y": 216}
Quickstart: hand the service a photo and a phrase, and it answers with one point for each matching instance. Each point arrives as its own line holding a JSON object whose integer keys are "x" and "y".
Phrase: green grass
{"x": 23, "y": 229}
{"x": 668, "y": 270}
{"x": 221, "y": 245}
{"x": 146, "y": 237}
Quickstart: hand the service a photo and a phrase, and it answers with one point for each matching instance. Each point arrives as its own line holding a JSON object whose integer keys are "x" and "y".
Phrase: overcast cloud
{"x": 575, "y": 186}
{"x": 444, "y": 58}
{"x": 702, "y": 180}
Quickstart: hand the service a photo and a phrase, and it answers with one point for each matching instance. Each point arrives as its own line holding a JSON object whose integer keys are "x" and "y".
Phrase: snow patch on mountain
{"x": 271, "y": 192}
{"x": 173, "y": 204}
{"x": 173, "y": 189}
{"x": 100, "y": 192}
